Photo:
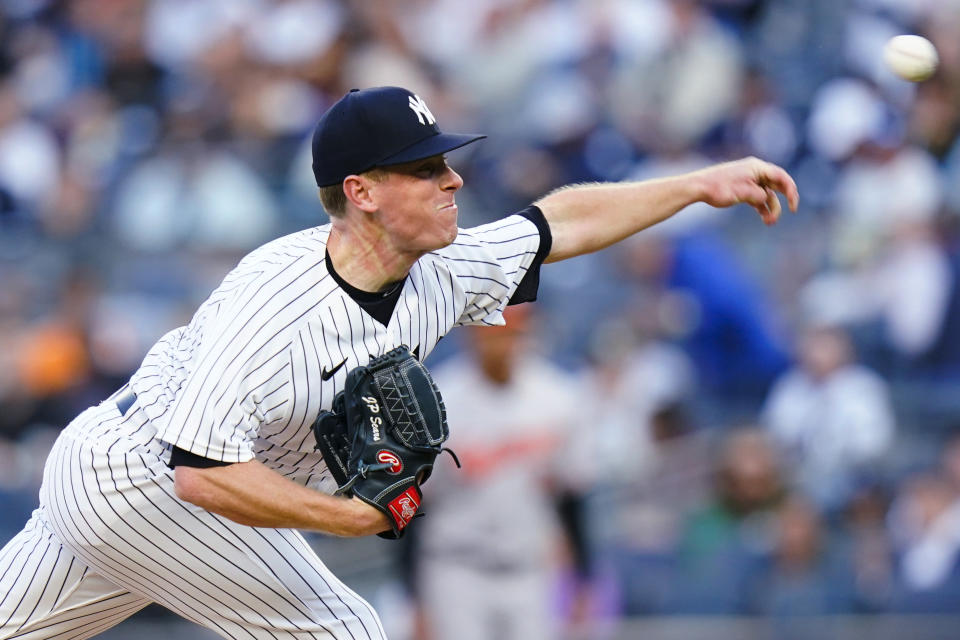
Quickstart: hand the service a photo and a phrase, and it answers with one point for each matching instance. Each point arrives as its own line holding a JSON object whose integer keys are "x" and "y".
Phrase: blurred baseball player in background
{"x": 491, "y": 552}
{"x": 187, "y": 486}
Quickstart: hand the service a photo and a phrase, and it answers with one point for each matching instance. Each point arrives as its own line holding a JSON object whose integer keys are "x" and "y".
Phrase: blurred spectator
{"x": 844, "y": 113}
{"x": 760, "y": 126}
{"x": 799, "y": 45}
{"x": 672, "y": 98}
{"x": 29, "y": 156}
{"x": 925, "y": 526}
{"x": 831, "y": 415}
{"x": 50, "y": 363}
{"x": 889, "y": 267}
{"x": 719, "y": 316}
{"x": 634, "y": 374}
{"x": 130, "y": 76}
{"x": 721, "y": 541}
{"x": 652, "y": 464}
{"x": 867, "y": 547}
{"x": 802, "y": 576}
{"x": 295, "y": 31}
{"x": 206, "y": 194}
{"x": 637, "y": 515}
{"x": 491, "y": 551}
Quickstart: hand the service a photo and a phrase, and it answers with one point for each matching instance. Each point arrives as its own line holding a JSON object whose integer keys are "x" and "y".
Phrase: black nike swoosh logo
{"x": 326, "y": 374}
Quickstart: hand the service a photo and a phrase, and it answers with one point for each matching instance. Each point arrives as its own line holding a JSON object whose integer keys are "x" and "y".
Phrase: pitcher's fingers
{"x": 766, "y": 215}
{"x": 779, "y": 179}
{"x": 761, "y": 204}
{"x": 753, "y": 193}
{"x": 773, "y": 204}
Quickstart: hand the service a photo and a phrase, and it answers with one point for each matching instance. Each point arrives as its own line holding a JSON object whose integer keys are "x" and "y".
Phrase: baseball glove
{"x": 383, "y": 434}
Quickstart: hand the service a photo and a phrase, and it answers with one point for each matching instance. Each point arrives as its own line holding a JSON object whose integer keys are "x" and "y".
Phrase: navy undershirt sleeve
{"x": 186, "y": 458}
{"x": 527, "y": 289}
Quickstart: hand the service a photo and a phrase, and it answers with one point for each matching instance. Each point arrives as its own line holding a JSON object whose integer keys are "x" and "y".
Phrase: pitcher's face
{"x": 416, "y": 205}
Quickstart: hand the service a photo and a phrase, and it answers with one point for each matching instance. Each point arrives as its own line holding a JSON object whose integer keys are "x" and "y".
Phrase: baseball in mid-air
{"x": 911, "y": 57}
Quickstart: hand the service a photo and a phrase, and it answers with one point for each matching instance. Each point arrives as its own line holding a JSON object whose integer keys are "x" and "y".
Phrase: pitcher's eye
{"x": 431, "y": 168}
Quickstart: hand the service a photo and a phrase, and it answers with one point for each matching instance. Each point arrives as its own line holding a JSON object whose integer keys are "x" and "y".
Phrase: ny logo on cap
{"x": 420, "y": 108}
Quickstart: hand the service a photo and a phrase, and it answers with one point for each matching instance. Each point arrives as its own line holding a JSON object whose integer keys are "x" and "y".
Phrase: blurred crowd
{"x": 772, "y": 411}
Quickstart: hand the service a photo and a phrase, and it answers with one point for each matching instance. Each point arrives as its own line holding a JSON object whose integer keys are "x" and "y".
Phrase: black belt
{"x": 124, "y": 399}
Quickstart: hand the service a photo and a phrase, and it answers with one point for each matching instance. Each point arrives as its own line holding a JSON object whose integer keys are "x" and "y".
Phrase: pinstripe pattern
{"x": 242, "y": 380}
{"x": 48, "y": 593}
{"x": 115, "y": 510}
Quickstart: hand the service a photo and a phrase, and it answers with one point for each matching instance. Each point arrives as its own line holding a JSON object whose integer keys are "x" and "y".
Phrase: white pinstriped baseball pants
{"x": 111, "y": 537}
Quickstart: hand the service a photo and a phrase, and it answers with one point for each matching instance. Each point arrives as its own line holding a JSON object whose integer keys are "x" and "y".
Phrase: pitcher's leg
{"x": 239, "y": 581}
{"x": 46, "y": 592}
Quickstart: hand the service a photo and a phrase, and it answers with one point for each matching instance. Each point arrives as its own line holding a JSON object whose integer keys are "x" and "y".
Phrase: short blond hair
{"x": 333, "y": 198}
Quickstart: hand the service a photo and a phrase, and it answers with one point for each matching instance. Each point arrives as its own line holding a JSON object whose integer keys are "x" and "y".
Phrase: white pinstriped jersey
{"x": 244, "y": 379}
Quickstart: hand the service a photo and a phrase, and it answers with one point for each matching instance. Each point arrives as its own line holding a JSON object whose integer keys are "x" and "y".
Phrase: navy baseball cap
{"x": 377, "y": 127}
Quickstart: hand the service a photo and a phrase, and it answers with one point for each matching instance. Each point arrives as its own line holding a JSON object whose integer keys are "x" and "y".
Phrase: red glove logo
{"x": 404, "y": 507}
{"x": 389, "y": 457}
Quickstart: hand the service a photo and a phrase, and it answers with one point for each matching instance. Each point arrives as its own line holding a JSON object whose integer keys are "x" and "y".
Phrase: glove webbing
{"x": 393, "y": 387}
